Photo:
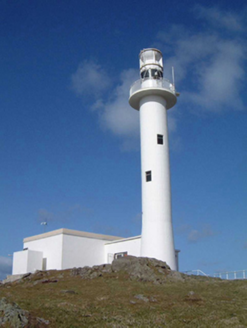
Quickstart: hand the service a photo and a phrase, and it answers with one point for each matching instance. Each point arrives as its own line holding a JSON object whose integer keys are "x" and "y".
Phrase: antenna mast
{"x": 173, "y": 78}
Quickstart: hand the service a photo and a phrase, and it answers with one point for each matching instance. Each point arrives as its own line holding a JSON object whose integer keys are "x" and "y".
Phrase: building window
{"x": 119, "y": 255}
{"x": 160, "y": 139}
{"x": 148, "y": 176}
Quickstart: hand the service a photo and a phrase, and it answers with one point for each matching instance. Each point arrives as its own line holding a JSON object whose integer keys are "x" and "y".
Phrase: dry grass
{"x": 110, "y": 301}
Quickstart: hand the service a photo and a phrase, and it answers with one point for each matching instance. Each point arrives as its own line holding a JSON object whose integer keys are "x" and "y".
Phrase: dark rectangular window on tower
{"x": 160, "y": 139}
{"x": 148, "y": 176}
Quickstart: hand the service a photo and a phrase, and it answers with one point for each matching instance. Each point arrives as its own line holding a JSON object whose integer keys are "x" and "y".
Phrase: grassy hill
{"x": 102, "y": 297}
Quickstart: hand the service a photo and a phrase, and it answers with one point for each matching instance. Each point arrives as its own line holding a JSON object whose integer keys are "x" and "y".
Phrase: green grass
{"x": 109, "y": 301}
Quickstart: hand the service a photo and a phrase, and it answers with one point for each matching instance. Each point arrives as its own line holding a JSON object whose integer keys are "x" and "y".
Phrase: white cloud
{"x": 209, "y": 71}
{"x": 196, "y": 235}
{"x": 209, "y": 66}
{"x": 5, "y": 267}
{"x": 114, "y": 111}
{"x": 117, "y": 115}
{"x": 219, "y": 82}
{"x": 90, "y": 79}
{"x": 224, "y": 19}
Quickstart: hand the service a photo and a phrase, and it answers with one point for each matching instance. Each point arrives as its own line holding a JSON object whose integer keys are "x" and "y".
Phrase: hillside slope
{"x": 132, "y": 292}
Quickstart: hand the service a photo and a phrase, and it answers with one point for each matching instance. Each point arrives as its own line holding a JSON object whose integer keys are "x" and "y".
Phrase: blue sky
{"x": 69, "y": 141}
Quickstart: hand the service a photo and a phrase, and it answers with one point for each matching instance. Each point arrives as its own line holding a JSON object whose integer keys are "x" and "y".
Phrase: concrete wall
{"x": 82, "y": 251}
{"x": 19, "y": 262}
{"x": 51, "y": 248}
{"x": 130, "y": 245}
{"x": 35, "y": 260}
{"x": 27, "y": 261}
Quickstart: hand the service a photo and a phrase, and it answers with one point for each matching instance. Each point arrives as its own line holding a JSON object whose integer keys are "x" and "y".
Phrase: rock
{"x": 48, "y": 281}
{"x": 12, "y": 314}
{"x": 95, "y": 274}
{"x": 43, "y": 321}
{"x": 142, "y": 268}
{"x": 105, "y": 268}
{"x": 142, "y": 298}
{"x": 67, "y": 291}
{"x": 91, "y": 273}
{"x": 175, "y": 276}
{"x": 83, "y": 272}
{"x": 138, "y": 268}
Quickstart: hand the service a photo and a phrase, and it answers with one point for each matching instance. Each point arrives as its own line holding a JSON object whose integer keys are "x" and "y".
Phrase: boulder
{"x": 142, "y": 268}
{"x": 13, "y": 316}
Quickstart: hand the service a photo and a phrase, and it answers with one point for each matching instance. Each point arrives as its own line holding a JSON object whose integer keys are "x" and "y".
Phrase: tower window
{"x": 159, "y": 139}
{"x": 148, "y": 176}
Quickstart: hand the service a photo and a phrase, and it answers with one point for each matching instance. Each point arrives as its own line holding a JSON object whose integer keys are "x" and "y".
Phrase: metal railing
{"x": 196, "y": 273}
{"x": 152, "y": 83}
{"x": 231, "y": 275}
{"x": 228, "y": 275}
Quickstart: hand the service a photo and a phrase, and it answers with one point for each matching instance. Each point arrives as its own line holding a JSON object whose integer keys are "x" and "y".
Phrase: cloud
{"x": 121, "y": 119}
{"x": 183, "y": 228}
{"x": 5, "y": 267}
{"x": 117, "y": 115}
{"x": 218, "y": 18}
{"x": 196, "y": 235}
{"x": 114, "y": 111}
{"x": 67, "y": 213}
{"x": 209, "y": 65}
{"x": 90, "y": 79}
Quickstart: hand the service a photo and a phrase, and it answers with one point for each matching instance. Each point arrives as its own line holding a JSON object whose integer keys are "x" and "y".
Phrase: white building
{"x": 64, "y": 249}
{"x": 61, "y": 249}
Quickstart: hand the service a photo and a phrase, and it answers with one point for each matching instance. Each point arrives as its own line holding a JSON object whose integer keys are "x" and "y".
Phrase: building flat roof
{"x": 71, "y": 233}
{"x": 123, "y": 239}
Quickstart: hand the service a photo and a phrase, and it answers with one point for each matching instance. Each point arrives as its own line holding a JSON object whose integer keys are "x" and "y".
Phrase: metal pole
{"x": 173, "y": 78}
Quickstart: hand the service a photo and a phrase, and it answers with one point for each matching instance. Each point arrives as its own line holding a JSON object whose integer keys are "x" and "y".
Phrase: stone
{"x": 142, "y": 298}
{"x": 67, "y": 291}
{"x": 138, "y": 268}
{"x": 12, "y": 314}
{"x": 142, "y": 268}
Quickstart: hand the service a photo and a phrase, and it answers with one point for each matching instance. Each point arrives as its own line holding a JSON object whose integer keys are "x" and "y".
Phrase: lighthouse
{"x": 153, "y": 95}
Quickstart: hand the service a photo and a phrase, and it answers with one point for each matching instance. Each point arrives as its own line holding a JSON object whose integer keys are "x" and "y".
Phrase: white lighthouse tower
{"x": 152, "y": 96}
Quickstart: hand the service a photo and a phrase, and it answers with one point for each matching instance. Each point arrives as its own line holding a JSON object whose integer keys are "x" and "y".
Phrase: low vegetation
{"x": 118, "y": 299}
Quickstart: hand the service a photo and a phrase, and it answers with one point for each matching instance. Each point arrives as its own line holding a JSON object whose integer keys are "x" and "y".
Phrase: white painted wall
{"x": 51, "y": 248}
{"x": 35, "y": 260}
{"x": 157, "y": 231}
{"x": 19, "y": 262}
{"x": 130, "y": 245}
{"x": 81, "y": 251}
{"x": 27, "y": 261}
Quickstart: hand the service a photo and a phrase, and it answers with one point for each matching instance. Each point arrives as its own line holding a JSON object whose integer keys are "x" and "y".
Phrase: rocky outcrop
{"x": 91, "y": 272}
{"x": 138, "y": 268}
{"x": 12, "y": 315}
{"x": 146, "y": 269}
